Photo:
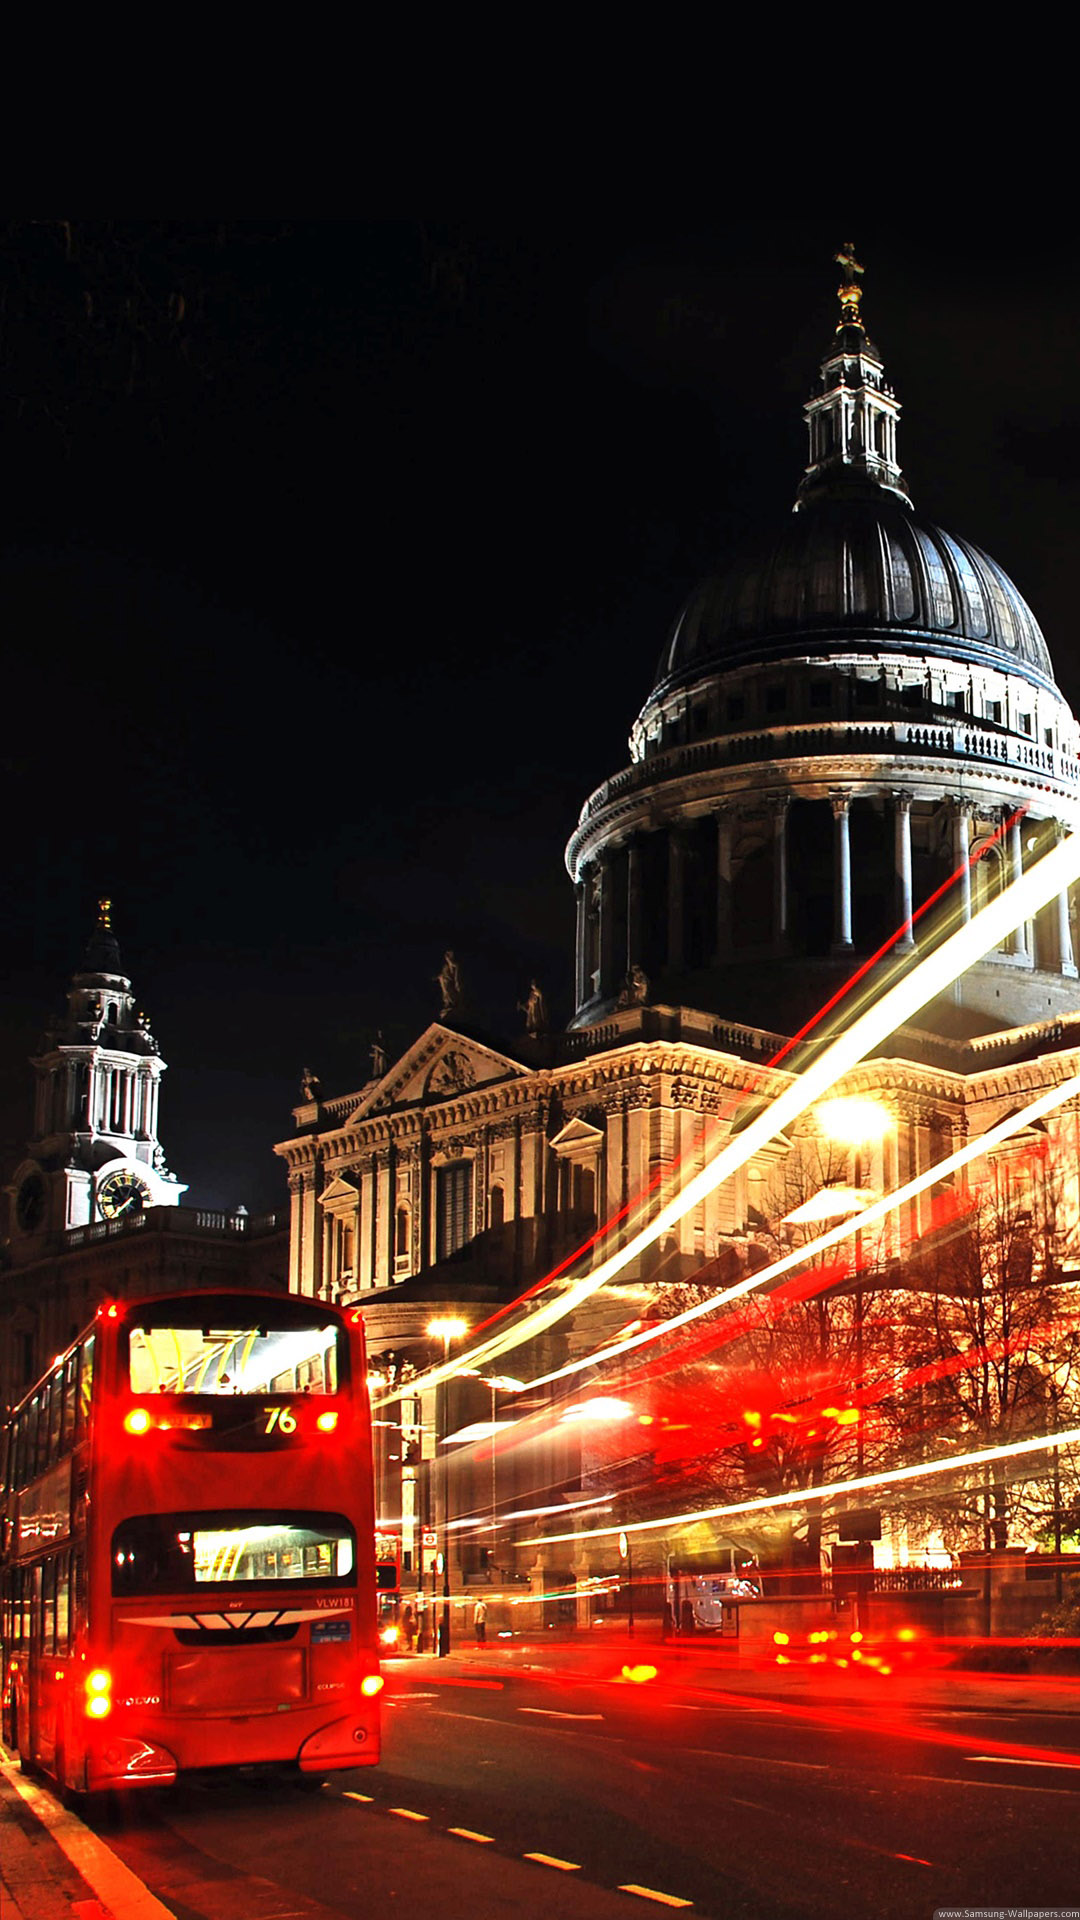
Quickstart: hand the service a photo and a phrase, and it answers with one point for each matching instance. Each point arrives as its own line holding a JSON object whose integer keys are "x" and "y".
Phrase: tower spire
{"x": 852, "y": 412}
{"x": 849, "y": 292}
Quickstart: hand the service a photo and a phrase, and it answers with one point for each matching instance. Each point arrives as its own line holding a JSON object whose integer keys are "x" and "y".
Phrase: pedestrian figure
{"x": 479, "y": 1620}
{"x": 408, "y": 1627}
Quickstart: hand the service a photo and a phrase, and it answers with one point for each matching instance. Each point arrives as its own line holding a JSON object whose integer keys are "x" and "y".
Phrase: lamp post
{"x": 444, "y": 1330}
{"x": 626, "y": 1553}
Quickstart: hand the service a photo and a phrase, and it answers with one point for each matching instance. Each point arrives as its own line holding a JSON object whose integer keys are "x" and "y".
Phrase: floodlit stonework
{"x": 843, "y": 718}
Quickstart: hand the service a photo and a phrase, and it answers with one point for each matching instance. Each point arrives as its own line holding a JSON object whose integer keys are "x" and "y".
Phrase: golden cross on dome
{"x": 104, "y": 909}
{"x": 849, "y": 292}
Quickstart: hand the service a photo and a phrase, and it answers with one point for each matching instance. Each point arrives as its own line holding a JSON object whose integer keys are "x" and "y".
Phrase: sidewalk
{"x": 37, "y": 1881}
{"x": 52, "y": 1867}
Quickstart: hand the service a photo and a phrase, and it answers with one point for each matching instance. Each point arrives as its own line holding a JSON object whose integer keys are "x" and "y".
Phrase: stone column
{"x": 725, "y": 835}
{"x": 634, "y": 905}
{"x": 581, "y": 993}
{"x": 1020, "y": 945}
{"x": 841, "y": 806}
{"x": 606, "y": 931}
{"x": 1066, "y": 959}
{"x": 778, "y": 807}
{"x": 312, "y": 1242}
{"x": 423, "y": 1202}
{"x": 961, "y": 828}
{"x": 296, "y": 1232}
{"x": 902, "y": 829}
{"x": 331, "y": 1252}
{"x": 676, "y": 901}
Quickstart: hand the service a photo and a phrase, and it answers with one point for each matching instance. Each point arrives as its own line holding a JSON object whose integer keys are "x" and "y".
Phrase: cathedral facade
{"x": 855, "y": 716}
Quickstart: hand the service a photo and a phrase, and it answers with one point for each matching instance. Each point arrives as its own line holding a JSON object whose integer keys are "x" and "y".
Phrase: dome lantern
{"x": 852, "y": 414}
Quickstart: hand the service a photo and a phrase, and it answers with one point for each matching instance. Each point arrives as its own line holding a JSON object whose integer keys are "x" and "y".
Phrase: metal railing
{"x": 841, "y": 737}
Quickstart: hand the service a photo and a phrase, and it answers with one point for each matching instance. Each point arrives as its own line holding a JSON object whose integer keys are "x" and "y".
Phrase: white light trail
{"x": 891, "y": 1009}
{"x": 1044, "y": 1103}
{"x": 803, "y": 1496}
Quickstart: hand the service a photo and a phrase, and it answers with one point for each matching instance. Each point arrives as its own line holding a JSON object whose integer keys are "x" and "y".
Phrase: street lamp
{"x": 445, "y": 1329}
{"x": 858, "y": 1123}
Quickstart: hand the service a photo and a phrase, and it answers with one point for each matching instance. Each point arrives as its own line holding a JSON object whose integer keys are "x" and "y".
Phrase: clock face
{"x": 30, "y": 1203}
{"x": 122, "y": 1193}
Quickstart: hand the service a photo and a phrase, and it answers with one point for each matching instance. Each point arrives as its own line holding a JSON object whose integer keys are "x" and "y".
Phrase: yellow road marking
{"x": 465, "y": 1833}
{"x": 367, "y": 1798}
{"x": 549, "y": 1860}
{"x": 406, "y": 1813}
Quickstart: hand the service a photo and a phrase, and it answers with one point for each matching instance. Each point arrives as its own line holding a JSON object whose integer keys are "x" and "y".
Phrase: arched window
{"x": 401, "y": 1233}
{"x": 496, "y": 1207}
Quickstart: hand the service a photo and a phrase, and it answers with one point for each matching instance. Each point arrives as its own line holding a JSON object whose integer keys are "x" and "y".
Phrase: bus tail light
{"x": 137, "y": 1421}
{"x": 371, "y": 1684}
{"x": 98, "y": 1693}
{"x": 326, "y": 1422}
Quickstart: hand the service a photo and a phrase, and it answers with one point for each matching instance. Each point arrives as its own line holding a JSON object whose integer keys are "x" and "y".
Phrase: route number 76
{"x": 282, "y": 1418}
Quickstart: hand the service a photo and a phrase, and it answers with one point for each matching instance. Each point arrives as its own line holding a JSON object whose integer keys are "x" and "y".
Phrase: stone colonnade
{"x": 618, "y": 873}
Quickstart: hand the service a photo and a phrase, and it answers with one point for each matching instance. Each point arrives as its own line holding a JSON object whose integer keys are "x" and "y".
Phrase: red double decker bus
{"x": 189, "y": 1559}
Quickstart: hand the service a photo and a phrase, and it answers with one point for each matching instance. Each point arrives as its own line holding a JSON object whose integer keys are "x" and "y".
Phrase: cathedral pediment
{"x": 577, "y": 1138}
{"x": 438, "y": 1066}
{"x": 339, "y": 1197}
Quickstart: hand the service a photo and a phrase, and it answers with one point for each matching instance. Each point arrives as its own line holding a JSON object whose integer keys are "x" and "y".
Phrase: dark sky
{"x": 337, "y": 560}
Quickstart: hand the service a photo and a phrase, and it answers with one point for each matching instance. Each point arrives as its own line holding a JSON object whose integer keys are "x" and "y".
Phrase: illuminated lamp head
{"x": 853, "y": 1121}
{"x": 371, "y": 1684}
{"x": 138, "y": 1421}
{"x": 326, "y": 1422}
{"x": 447, "y": 1329}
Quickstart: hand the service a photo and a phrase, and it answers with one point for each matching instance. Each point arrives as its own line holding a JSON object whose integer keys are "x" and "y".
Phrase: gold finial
{"x": 104, "y": 910}
{"x": 849, "y": 292}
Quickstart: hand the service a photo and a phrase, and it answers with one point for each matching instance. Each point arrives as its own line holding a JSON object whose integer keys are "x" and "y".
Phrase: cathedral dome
{"x": 856, "y": 566}
{"x": 854, "y": 710}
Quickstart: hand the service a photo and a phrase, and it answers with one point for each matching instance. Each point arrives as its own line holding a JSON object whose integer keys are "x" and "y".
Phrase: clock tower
{"x": 94, "y": 1155}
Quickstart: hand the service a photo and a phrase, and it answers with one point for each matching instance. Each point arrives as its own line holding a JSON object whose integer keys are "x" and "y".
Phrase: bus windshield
{"x": 158, "y": 1553}
{"x": 234, "y": 1359}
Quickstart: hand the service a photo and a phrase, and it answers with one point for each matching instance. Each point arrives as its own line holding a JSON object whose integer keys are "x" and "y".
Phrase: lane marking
{"x": 755, "y": 1759}
{"x": 552, "y": 1713}
{"x": 982, "y": 1786}
{"x": 367, "y": 1798}
{"x": 114, "y": 1884}
{"x": 549, "y": 1860}
{"x": 465, "y": 1833}
{"x": 1003, "y": 1760}
{"x": 406, "y": 1813}
{"x": 915, "y": 1858}
{"x": 650, "y": 1893}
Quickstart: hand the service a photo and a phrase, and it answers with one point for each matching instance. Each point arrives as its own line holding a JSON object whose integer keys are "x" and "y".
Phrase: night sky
{"x": 337, "y": 561}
